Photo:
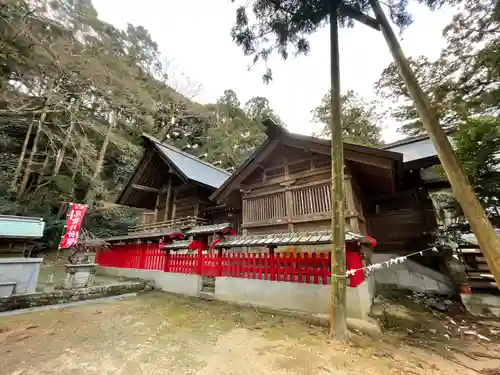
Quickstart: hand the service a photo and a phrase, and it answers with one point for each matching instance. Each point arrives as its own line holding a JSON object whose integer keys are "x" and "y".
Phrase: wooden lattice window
{"x": 264, "y": 208}
{"x": 312, "y": 200}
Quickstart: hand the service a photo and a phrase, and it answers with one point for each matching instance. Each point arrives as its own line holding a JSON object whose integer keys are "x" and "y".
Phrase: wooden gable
{"x": 285, "y": 186}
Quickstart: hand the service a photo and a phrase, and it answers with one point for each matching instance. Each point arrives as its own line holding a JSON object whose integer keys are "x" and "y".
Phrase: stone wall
{"x": 180, "y": 283}
{"x": 410, "y": 275}
{"x": 29, "y": 300}
{"x": 22, "y": 271}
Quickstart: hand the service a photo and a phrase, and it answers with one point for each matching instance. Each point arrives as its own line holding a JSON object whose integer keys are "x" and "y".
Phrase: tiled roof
{"x": 140, "y": 236}
{"x": 214, "y": 228}
{"x": 177, "y": 245}
{"x": 190, "y": 166}
{"x": 317, "y": 238}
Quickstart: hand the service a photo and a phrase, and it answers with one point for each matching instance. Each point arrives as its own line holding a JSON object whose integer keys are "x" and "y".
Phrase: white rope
{"x": 387, "y": 263}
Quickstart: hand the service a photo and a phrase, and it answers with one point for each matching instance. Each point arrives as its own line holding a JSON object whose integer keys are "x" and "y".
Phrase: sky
{"x": 194, "y": 36}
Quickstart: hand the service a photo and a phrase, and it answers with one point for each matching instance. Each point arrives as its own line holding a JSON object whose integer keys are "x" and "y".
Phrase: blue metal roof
{"x": 190, "y": 166}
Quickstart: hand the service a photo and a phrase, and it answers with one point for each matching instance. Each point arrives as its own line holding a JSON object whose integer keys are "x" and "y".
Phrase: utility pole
{"x": 338, "y": 325}
{"x": 481, "y": 225}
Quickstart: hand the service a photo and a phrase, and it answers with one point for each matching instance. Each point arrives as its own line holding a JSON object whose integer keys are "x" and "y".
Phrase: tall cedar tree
{"x": 63, "y": 71}
{"x": 359, "y": 119}
{"x": 464, "y": 81}
{"x": 284, "y": 26}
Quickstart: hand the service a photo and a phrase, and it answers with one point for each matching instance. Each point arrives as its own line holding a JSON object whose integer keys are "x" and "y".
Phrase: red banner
{"x": 73, "y": 225}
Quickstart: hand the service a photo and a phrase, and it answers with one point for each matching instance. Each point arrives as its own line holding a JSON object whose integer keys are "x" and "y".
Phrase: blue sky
{"x": 194, "y": 34}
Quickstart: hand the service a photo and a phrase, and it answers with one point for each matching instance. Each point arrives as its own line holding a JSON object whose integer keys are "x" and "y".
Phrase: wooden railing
{"x": 296, "y": 203}
{"x": 300, "y": 268}
{"x": 179, "y": 223}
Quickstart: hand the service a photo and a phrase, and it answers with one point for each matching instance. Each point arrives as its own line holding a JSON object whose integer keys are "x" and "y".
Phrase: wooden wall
{"x": 291, "y": 192}
{"x": 401, "y": 223}
{"x": 186, "y": 200}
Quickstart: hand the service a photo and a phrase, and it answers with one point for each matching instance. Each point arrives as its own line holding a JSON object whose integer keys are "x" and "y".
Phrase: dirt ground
{"x": 157, "y": 333}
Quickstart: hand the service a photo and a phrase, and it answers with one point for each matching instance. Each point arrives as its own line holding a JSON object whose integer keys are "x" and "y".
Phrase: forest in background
{"x": 77, "y": 93}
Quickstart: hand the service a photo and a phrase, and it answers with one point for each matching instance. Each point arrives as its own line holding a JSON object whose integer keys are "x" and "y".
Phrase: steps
{"x": 208, "y": 284}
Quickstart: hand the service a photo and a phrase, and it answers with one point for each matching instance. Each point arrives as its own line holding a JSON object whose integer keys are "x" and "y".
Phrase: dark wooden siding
{"x": 401, "y": 223}
{"x": 291, "y": 191}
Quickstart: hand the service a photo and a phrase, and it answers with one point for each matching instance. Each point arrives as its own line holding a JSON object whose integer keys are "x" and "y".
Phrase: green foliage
{"x": 477, "y": 145}
{"x": 107, "y": 220}
{"x": 236, "y": 132}
{"x": 284, "y": 26}
{"x": 359, "y": 119}
{"x": 464, "y": 81}
{"x": 66, "y": 75}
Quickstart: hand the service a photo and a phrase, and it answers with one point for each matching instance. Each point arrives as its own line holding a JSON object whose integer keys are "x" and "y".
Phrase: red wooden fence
{"x": 301, "y": 268}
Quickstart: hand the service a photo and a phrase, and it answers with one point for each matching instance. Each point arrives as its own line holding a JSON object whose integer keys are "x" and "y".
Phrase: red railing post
{"x": 219, "y": 262}
{"x": 167, "y": 261}
{"x": 273, "y": 263}
{"x": 200, "y": 260}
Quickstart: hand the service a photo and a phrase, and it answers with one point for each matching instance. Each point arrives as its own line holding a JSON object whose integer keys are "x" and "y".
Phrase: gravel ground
{"x": 158, "y": 333}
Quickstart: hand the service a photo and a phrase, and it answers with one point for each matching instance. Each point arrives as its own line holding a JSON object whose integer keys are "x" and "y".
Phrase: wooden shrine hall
{"x": 270, "y": 219}
{"x": 283, "y": 187}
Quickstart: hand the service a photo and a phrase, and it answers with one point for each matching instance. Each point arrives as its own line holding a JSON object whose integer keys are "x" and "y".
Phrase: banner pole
{"x": 68, "y": 209}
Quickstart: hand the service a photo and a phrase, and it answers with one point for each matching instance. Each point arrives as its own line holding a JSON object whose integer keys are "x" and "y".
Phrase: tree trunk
{"x": 60, "y": 155}
{"x": 100, "y": 159}
{"x": 27, "y": 170}
{"x": 19, "y": 166}
{"x": 79, "y": 155}
{"x": 481, "y": 226}
{"x": 338, "y": 325}
{"x": 44, "y": 168}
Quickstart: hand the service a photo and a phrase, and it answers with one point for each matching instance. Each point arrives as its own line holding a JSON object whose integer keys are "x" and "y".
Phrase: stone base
{"x": 23, "y": 272}
{"x": 482, "y": 305}
{"x": 7, "y": 288}
{"x": 30, "y": 300}
{"x": 79, "y": 275}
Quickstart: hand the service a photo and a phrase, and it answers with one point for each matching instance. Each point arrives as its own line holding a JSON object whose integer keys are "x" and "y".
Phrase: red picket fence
{"x": 182, "y": 263}
{"x": 145, "y": 256}
{"x": 299, "y": 268}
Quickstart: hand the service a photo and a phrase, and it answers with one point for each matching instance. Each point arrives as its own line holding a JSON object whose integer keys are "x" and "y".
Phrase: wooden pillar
{"x": 288, "y": 195}
{"x": 168, "y": 201}
{"x": 351, "y": 204}
{"x": 157, "y": 208}
{"x": 338, "y": 323}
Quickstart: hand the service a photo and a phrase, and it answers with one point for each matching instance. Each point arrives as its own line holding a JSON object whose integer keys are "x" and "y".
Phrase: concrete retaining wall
{"x": 180, "y": 283}
{"x": 309, "y": 298}
{"x": 23, "y": 271}
{"x": 359, "y": 300}
{"x": 410, "y": 275}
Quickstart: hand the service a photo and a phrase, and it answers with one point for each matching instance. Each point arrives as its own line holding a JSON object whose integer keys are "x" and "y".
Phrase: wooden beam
{"x": 352, "y": 12}
{"x": 145, "y": 188}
